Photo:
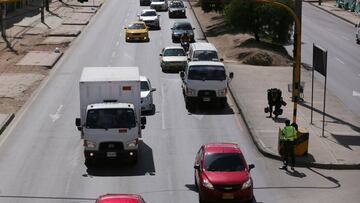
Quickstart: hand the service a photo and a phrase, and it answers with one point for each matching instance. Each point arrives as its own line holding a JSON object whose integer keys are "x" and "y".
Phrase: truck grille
{"x": 207, "y": 93}
{"x": 111, "y": 146}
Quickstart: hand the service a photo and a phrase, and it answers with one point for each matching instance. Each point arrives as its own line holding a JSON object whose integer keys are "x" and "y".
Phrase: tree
{"x": 260, "y": 19}
{"x": 214, "y": 5}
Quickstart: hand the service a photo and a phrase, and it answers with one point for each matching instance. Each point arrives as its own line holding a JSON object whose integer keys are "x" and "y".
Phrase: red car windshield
{"x": 224, "y": 162}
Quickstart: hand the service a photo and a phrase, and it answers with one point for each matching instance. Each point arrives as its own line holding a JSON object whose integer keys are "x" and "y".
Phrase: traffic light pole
{"x": 297, "y": 45}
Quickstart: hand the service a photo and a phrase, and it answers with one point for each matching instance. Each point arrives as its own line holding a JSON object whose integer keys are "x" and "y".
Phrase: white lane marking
{"x": 162, "y": 106}
{"x": 113, "y": 54}
{"x": 118, "y": 43}
{"x": 356, "y": 94}
{"x": 57, "y": 114}
{"x": 345, "y": 38}
{"x": 340, "y": 61}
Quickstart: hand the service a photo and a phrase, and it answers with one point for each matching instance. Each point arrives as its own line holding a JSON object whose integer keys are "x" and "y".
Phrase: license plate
{"x": 206, "y": 99}
{"x": 111, "y": 154}
{"x": 228, "y": 196}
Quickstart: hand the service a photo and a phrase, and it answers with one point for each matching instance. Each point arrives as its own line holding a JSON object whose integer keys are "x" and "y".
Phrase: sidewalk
{"x": 338, "y": 149}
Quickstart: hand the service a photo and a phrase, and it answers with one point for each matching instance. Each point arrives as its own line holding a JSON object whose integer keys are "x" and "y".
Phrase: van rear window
{"x": 205, "y": 55}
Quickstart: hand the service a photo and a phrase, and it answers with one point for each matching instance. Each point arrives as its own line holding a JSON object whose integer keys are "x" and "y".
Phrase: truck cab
{"x": 110, "y": 113}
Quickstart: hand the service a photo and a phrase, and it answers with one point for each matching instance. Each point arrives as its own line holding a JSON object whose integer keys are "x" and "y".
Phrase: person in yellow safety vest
{"x": 288, "y": 137}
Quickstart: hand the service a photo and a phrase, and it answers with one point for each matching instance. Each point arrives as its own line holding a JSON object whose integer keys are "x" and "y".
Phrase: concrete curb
{"x": 257, "y": 141}
{"x": 334, "y": 14}
{"x": 7, "y": 121}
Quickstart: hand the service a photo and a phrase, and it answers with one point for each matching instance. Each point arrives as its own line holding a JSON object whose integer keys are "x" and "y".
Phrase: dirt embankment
{"x": 236, "y": 46}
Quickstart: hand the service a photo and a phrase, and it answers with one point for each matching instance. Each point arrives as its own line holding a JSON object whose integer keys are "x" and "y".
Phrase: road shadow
{"x": 191, "y": 187}
{"x": 347, "y": 140}
{"x": 145, "y": 165}
{"x": 336, "y": 120}
{"x": 211, "y": 109}
{"x": 296, "y": 173}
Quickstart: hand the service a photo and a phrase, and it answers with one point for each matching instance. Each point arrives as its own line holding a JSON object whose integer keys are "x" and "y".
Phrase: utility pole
{"x": 297, "y": 78}
{"x": 42, "y": 12}
{"x": 2, "y": 21}
{"x": 47, "y": 5}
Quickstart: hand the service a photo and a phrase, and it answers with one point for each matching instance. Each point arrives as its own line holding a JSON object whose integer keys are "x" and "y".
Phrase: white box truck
{"x": 110, "y": 121}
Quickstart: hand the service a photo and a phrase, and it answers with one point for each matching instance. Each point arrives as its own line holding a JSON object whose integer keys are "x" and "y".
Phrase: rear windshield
{"x": 224, "y": 162}
{"x": 205, "y": 55}
{"x": 110, "y": 118}
{"x": 207, "y": 73}
{"x": 174, "y": 52}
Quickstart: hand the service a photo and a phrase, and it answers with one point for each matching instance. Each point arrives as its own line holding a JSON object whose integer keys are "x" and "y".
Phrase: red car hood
{"x": 227, "y": 178}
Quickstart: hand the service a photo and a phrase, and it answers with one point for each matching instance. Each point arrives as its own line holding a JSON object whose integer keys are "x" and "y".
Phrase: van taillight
{"x": 122, "y": 130}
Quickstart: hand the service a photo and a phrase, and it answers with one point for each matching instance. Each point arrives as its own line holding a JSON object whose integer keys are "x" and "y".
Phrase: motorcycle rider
{"x": 185, "y": 40}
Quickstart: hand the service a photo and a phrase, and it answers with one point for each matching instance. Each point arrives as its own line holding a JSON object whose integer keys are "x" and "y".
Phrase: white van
{"x": 205, "y": 82}
{"x": 203, "y": 51}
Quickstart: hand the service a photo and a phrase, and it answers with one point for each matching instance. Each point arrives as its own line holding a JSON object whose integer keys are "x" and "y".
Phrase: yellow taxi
{"x": 136, "y": 31}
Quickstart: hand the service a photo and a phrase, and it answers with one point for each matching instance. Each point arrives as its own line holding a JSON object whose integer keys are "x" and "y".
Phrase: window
{"x": 224, "y": 162}
{"x": 174, "y": 52}
{"x": 205, "y": 55}
{"x": 136, "y": 26}
{"x": 203, "y": 72}
{"x": 144, "y": 86}
{"x": 148, "y": 13}
{"x": 110, "y": 118}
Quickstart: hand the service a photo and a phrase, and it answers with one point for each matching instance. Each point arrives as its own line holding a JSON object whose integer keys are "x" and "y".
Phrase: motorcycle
{"x": 185, "y": 45}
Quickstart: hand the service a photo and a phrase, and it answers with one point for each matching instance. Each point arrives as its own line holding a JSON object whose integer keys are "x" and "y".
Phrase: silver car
{"x": 159, "y": 5}
{"x": 147, "y": 105}
{"x": 150, "y": 18}
{"x": 173, "y": 59}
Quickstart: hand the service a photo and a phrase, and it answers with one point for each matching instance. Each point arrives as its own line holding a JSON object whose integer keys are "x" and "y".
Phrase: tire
{"x": 89, "y": 162}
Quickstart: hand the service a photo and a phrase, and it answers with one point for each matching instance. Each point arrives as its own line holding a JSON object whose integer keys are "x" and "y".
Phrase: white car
{"x": 159, "y": 5}
{"x": 147, "y": 105}
{"x": 150, "y": 18}
{"x": 173, "y": 58}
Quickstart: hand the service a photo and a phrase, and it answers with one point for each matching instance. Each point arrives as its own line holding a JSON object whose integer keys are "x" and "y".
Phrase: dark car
{"x": 222, "y": 174}
{"x": 145, "y": 2}
{"x": 177, "y": 9}
{"x": 181, "y": 27}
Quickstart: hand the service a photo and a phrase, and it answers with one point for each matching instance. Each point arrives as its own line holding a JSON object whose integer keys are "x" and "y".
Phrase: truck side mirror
{"x": 221, "y": 59}
{"x": 182, "y": 75}
{"x": 251, "y": 166}
{"x": 143, "y": 120}
{"x": 78, "y": 124}
{"x": 231, "y": 75}
{"x": 153, "y": 89}
{"x": 160, "y": 54}
{"x": 197, "y": 166}
{"x": 356, "y": 25}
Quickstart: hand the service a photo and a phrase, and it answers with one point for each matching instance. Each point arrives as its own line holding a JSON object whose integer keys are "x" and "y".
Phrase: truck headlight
{"x": 207, "y": 184}
{"x": 132, "y": 143}
{"x": 222, "y": 92}
{"x": 89, "y": 144}
{"x": 190, "y": 91}
{"x": 247, "y": 184}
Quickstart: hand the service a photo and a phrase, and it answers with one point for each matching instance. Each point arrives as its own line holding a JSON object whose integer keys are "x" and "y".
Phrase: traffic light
{"x": 82, "y": 1}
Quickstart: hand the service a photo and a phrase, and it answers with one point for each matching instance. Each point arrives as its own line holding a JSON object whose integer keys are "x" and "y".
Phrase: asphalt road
{"x": 41, "y": 156}
{"x": 338, "y": 38}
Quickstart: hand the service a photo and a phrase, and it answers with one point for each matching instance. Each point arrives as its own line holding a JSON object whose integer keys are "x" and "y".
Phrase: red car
{"x": 120, "y": 198}
{"x": 222, "y": 174}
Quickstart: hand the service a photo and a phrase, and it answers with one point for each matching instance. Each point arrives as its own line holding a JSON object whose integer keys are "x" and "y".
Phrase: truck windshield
{"x": 206, "y": 73}
{"x": 205, "y": 55}
{"x": 110, "y": 118}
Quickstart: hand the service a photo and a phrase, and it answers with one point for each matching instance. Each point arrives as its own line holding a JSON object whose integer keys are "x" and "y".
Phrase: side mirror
{"x": 193, "y": 28}
{"x": 231, "y": 75}
{"x": 221, "y": 59}
{"x": 153, "y": 89}
{"x": 78, "y": 124}
{"x": 251, "y": 166}
{"x": 142, "y": 127}
{"x": 143, "y": 121}
{"x": 197, "y": 166}
{"x": 182, "y": 75}
{"x": 160, "y": 54}
{"x": 138, "y": 15}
